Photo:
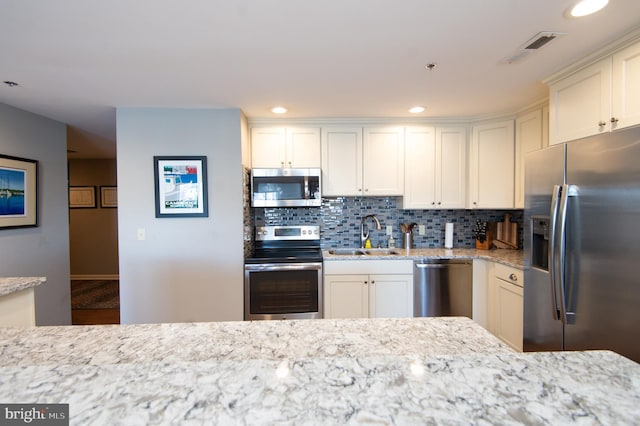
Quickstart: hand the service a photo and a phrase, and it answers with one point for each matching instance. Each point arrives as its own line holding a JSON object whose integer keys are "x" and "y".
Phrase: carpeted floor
{"x": 95, "y": 294}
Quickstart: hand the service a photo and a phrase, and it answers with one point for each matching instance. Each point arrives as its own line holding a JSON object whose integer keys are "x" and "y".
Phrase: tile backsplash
{"x": 339, "y": 220}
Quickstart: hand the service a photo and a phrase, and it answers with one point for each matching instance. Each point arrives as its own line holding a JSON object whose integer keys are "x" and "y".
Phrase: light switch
{"x": 389, "y": 229}
{"x": 142, "y": 235}
{"x": 421, "y": 230}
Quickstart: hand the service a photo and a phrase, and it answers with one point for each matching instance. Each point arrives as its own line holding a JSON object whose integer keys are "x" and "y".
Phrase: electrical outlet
{"x": 422, "y": 230}
{"x": 142, "y": 235}
{"x": 389, "y": 229}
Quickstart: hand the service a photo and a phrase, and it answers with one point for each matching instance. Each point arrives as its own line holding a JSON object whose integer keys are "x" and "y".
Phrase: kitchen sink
{"x": 347, "y": 252}
{"x": 364, "y": 252}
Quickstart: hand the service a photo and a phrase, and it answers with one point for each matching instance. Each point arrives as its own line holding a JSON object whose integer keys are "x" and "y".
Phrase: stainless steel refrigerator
{"x": 582, "y": 245}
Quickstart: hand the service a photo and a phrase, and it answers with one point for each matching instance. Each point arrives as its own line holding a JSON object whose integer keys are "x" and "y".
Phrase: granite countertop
{"x": 514, "y": 258}
{"x": 382, "y": 371}
{"x": 113, "y": 344}
{"x": 14, "y": 284}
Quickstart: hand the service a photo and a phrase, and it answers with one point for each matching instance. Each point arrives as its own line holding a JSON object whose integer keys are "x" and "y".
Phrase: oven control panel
{"x": 274, "y": 233}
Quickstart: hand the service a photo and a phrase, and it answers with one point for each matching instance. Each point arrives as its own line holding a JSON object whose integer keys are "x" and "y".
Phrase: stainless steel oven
{"x": 283, "y": 276}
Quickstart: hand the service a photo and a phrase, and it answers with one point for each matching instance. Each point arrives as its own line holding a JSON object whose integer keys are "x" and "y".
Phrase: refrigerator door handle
{"x": 554, "y": 269}
{"x": 567, "y": 292}
{"x": 561, "y": 237}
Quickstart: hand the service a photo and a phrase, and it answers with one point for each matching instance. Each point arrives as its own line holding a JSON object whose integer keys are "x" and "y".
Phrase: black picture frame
{"x": 18, "y": 192}
{"x": 181, "y": 186}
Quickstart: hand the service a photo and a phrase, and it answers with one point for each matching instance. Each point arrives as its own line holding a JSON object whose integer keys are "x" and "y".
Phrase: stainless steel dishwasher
{"x": 442, "y": 287}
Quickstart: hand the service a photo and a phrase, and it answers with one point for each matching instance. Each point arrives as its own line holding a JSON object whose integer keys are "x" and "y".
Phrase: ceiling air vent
{"x": 536, "y": 42}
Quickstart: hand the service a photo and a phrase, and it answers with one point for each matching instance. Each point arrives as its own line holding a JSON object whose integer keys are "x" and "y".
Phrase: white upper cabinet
{"x": 435, "y": 168}
{"x": 341, "y": 161}
{"x": 491, "y": 166}
{"x": 383, "y": 161}
{"x": 603, "y": 97}
{"x": 285, "y": 147}
{"x": 357, "y": 162}
{"x": 529, "y": 137}
{"x": 580, "y": 105}
{"x": 625, "y": 96}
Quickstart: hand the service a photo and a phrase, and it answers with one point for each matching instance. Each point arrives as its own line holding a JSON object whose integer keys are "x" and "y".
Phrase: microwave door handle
{"x": 554, "y": 276}
{"x": 306, "y": 188}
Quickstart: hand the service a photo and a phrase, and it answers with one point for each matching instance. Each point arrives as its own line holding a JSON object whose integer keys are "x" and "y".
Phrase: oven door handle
{"x": 283, "y": 267}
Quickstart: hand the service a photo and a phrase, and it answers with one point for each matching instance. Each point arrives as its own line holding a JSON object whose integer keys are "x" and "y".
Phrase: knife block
{"x": 486, "y": 244}
{"x": 483, "y": 245}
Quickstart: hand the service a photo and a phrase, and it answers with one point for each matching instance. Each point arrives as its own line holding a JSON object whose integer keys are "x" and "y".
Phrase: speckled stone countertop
{"x": 370, "y": 371}
{"x": 113, "y": 344}
{"x": 13, "y": 284}
{"x": 513, "y": 258}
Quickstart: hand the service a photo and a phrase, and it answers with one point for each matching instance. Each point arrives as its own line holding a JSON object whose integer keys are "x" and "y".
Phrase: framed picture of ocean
{"x": 18, "y": 192}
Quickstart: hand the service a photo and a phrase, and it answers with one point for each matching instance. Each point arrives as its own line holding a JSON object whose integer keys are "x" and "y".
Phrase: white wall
{"x": 44, "y": 250}
{"x": 187, "y": 269}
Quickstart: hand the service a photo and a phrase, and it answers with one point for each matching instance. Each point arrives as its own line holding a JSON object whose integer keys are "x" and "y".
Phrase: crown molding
{"x": 625, "y": 41}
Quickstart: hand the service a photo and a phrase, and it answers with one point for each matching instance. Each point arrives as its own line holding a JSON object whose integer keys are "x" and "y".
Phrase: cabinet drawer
{"x": 509, "y": 274}
{"x": 368, "y": 267}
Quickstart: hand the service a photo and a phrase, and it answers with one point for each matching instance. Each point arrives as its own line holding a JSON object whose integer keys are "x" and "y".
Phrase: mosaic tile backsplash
{"x": 339, "y": 220}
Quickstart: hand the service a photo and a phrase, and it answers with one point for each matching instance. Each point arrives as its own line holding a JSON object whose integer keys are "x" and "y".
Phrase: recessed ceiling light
{"x": 278, "y": 110}
{"x": 10, "y": 83}
{"x": 416, "y": 110}
{"x": 587, "y": 7}
{"x": 430, "y": 66}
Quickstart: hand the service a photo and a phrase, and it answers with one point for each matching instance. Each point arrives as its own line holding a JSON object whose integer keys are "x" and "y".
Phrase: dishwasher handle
{"x": 431, "y": 265}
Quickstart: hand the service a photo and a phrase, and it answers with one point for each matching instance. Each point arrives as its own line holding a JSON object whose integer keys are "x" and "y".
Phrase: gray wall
{"x": 93, "y": 233}
{"x": 187, "y": 269}
{"x": 41, "y": 251}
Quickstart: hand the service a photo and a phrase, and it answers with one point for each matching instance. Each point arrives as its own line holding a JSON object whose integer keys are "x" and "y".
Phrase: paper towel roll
{"x": 448, "y": 235}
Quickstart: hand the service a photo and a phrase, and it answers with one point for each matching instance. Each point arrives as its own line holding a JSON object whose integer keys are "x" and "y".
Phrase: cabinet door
{"x": 346, "y": 296}
{"x": 509, "y": 313}
{"x": 268, "y": 147}
{"x": 303, "y": 147}
{"x": 492, "y": 166}
{"x": 391, "y": 296}
{"x": 528, "y": 138}
{"x": 420, "y": 168}
{"x": 626, "y": 88}
{"x": 451, "y": 168}
{"x": 580, "y": 105}
{"x": 480, "y": 305}
{"x": 383, "y": 161}
{"x": 341, "y": 161}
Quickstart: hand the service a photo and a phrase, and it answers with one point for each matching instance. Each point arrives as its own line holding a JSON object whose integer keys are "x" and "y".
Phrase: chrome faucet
{"x": 364, "y": 231}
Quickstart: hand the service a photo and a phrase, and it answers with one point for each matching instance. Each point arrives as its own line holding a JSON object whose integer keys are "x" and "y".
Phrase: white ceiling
{"x": 78, "y": 60}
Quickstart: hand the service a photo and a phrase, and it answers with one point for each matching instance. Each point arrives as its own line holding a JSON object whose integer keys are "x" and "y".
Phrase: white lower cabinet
{"x": 368, "y": 289}
{"x": 505, "y": 297}
{"x": 18, "y": 309}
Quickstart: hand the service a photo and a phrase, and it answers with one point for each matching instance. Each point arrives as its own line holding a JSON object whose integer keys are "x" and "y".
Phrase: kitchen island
{"x": 383, "y": 371}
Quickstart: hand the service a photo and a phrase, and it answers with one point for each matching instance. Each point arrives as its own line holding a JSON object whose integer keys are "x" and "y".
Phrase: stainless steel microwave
{"x": 286, "y": 187}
